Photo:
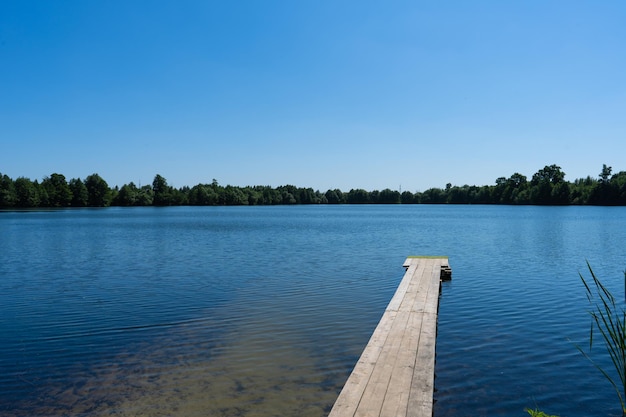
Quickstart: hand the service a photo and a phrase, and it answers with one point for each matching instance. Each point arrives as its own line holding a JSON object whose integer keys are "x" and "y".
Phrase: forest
{"x": 546, "y": 187}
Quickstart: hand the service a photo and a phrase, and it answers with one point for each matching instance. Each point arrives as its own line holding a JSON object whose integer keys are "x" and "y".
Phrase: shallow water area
{"x": 263, "y": 311}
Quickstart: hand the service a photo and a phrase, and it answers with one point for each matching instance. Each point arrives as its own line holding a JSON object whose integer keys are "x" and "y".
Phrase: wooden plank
{"x": 350, "y": 396}
{"x": 422, "y": 385}
{"x": 394, "y": 376}
{"x": 396, "y": 399}
{"x": 375, "y": 391}
{"x": 418, "y": 290}
{"x": 421, "y": 390}
{"x": 399, "y": 296}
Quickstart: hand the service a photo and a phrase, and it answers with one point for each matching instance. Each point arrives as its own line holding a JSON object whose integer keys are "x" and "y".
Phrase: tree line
{"x": 546, "y": 187}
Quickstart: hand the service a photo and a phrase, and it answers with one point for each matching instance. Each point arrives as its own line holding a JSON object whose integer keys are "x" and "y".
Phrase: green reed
{"x": 610, "y": 321}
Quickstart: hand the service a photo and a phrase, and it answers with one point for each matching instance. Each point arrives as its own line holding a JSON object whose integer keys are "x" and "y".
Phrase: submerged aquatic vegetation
{"x": 537, "y": 413}
{"x": 610, "y": 321}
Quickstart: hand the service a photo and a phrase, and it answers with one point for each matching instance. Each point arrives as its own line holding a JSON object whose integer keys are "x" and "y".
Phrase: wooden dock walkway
{"x": 395, "y": 374}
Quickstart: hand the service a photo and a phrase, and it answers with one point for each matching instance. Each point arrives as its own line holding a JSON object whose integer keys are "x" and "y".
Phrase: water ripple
{"x": 264, "y": 311}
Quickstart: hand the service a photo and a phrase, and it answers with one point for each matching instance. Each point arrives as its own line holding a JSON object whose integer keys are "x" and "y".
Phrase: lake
{"x": 263, "y": 311}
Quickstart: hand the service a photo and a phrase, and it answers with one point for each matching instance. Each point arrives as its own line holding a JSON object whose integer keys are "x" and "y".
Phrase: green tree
{"x": 26, "y": 193}
{"x": 388, "y": 196}
{"x": 58, "y": 190}
{"x": 288, "y": 194}
{"x": 255, "y": 196}
{"x": 307, "y": 196}
{"x": 542, "y": 183}
{"x": 203, "y": 195}
{"x": 618, "y": 183}
{"x": 145, "y": 196}
{"x": 162, "y": 191}
{"x": 603, "y": 192}
{"x": 334, "y": 196}
{"x": 498, "y": 191}
{"x": 8, "y": 196}
{"x": 513, "y": 189}
{"x": 581, "y": 190}
{"x": 481, "y": 195}
{"x": 80, "y": 195}
{"x": 560, "y": 194}
{"x": 433, "y": 196}
{"x": 179, "y": 197}
{"x": 271, "y": 196}
{"x": 407, "y": 197}
{"x": 551, "y": 174}
{"x": 127, "y": 195}
{"x": 605, "y": 174}
{"x": 358, "y": 196}
{"x": 44, "y": 201}
{"x": 458, "y": 195}
{"x": 234, "y": 196}
{"x": 98, "y": 191}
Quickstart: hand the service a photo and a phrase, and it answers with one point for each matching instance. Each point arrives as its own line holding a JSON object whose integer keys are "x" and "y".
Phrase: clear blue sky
{"x": 322, "y": 94}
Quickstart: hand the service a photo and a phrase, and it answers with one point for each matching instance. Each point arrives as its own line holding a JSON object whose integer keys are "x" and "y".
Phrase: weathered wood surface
{"x": 395, "y": 374}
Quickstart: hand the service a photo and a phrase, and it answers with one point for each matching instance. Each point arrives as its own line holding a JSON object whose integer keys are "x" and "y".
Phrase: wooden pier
{"x": 396, "y": 372}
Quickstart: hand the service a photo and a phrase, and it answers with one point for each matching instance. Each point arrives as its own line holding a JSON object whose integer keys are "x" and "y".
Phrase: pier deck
{"x": 395, "y": 374}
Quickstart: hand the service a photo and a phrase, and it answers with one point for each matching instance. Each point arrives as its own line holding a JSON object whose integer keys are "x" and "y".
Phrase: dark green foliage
{"x": 8, "y": 195}
{"x": 58, "y": 191}
{"x": 514, "y": 190}
{"x": 546, "y": 187}
{"x": 234, "y": 196}
{"x": 98, "y": 192}
{"x": 334, "y": 196}
{"x": 162, "y": 192}
{"x": 457, "y": 195}
{"x": 581, "y": 190}
{"x": 202, "y": 195}
{"x": 618, "y": 182}
{"x": 407, "y": 197}
{"x": 80, "y": 195}
{"x": 288, "y": 194}
{"x": 27, "y": 194}
{"x": 308, "y": 196}
{"x": 608, "y": 191}
{"x": 388, "y": 196}
{"x": 128, "y": 195}
{"x": 434, "y": 196}
{"x": 358, "y": 196}
{"x": 145, "y": 196}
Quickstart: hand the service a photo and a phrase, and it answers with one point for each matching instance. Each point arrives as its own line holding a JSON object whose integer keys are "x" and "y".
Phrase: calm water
{"x": 263, "y": 311}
